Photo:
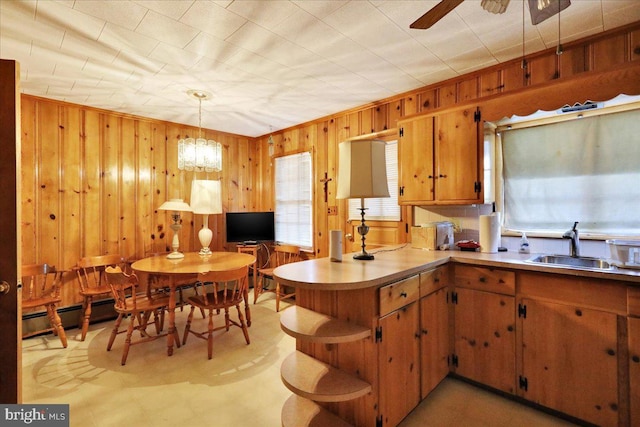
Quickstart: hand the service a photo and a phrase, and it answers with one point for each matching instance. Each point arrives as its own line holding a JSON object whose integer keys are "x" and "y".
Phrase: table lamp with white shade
{"x": 176, "y": 206}
{"x": 206, "y": 199}
{"x": 362, "y": 174}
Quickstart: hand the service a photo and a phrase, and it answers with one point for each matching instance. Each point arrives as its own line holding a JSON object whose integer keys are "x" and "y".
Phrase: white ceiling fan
{"x": 539, "y": 9}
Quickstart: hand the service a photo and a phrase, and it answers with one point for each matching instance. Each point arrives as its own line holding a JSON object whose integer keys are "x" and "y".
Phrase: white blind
{"x": 585, "y": 170}
{"x": 382, "y": 208}
{"x": 293, "y": 213}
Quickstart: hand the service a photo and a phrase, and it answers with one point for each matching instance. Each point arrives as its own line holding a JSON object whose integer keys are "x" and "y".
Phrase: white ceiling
{"x": 268, "y": 64}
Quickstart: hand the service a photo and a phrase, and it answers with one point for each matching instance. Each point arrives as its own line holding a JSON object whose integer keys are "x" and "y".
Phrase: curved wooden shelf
{"x": 304, "y": 324}
{"x": 300, "y": 412}
{"x": 315, "y": 380}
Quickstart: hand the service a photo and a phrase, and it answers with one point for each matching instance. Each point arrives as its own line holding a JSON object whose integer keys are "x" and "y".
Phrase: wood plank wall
{"x": 93, "y": 179}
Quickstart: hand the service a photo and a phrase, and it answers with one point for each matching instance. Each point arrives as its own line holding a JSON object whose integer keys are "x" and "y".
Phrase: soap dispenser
{"x": 524, "y": 244}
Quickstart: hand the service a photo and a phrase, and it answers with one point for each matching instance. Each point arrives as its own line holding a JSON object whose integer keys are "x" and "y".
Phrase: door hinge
{"x": 452, "y": 360}
{"x": 379, "y": 421}
{"x": 454, "y": 297}
{"x": 477, "y": 187}
{"x": 401, "y": 191}
{"x": 522, "y": 311}
{"x": 523, "y": 383}
{"x": 477, "y": 116}
{"x": 406, "y": 228}
{"x": 379, "y": 334}
{"x": 401, "y": 132}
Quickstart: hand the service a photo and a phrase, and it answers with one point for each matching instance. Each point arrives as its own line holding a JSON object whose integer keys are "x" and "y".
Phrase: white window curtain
{"x": 294, "y": 207}
{"x": 382, "y": 208}
{"x": 586, "y": 170}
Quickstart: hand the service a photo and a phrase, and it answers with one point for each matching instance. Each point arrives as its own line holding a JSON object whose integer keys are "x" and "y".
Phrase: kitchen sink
{"x": 574, "y": 262}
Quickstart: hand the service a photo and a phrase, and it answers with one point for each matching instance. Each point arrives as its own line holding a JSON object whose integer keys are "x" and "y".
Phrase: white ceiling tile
{"x": 167, "y": 30}
{"x": 173, "y": 9}
{"x": 212, "y": 19}
{"x": 319, "y": 9}
{"x": 269, "y": 14}
{"x": 124, "y": 13}
{"x": 57, "y": 15}
{"x": 126, "y": 40}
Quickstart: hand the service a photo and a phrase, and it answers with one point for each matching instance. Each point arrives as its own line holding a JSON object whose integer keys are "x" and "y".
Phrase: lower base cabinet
{"x": 399, "y": 364}
{"x": 633, "y": 327}
{"x": 570, "y": 360}
{"x": 485, "y": 338}
{"x": 434, "y": 340}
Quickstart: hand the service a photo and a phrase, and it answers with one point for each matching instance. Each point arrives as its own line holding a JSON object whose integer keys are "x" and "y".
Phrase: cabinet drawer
{"x": 399, "y": 294}
{"x": 485, "y": 279}
{"x": 432, "y": 280}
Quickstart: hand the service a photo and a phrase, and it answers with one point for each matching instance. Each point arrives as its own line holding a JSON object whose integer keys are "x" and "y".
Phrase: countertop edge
{"x": 322, "y": 274}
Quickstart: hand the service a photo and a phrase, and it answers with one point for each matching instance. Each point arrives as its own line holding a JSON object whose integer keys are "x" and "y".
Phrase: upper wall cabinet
{"x": 440, "y": 158}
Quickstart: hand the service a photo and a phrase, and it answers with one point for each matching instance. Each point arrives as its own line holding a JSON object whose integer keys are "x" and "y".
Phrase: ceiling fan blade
{"x": 435, "y": 14}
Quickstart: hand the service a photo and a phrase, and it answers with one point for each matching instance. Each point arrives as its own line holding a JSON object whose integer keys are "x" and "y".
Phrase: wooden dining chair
{"x": 41, "y": 285}
{"x": 138, "y": 305}
{"x": 217, "y": 291}
{"x": 92, "y": 284}
{"x": 283, "y": 254}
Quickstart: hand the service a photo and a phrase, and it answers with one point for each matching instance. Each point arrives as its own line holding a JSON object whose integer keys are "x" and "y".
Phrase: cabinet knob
{"x": 442, "y": 176}
{"x": 403, "y": 294}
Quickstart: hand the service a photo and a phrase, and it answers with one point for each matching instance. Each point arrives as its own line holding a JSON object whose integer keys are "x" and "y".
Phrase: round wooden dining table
{"x": 192, "y": 263}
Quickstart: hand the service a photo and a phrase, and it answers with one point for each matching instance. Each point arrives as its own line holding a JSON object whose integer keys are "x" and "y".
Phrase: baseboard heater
{"x": 101, "y": 310}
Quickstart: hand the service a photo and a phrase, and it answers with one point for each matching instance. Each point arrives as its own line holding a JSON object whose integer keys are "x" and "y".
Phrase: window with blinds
{"x": 294, "y": 204}
{"x": 585, "y": 169}
{"x": 383, "y": 208}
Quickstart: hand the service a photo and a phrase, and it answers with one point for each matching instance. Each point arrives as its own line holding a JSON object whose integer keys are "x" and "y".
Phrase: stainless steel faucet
{"x": 574, "y": 247}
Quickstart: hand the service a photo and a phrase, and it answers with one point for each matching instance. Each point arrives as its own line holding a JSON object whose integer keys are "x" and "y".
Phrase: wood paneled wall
{"x": 595, "y": 68}
{"x": 93, "y": 179}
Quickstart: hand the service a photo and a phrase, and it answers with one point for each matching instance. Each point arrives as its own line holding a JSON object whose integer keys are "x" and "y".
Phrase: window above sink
{"x": 581, "y": 166}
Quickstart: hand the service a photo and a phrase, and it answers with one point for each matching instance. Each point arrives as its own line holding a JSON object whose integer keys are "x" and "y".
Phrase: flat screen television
{"x": 250, "y": 227}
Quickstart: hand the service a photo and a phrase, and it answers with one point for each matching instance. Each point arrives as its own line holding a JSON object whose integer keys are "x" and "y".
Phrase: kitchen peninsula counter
{"x": 394, "y": 264}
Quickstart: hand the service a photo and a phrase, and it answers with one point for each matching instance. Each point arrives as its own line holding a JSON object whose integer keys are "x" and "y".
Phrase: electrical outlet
{"x": 457, "y": 224}
{"x": 333, "y": 210}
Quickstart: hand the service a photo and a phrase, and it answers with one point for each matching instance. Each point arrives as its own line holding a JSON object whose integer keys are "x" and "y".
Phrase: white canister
{"x": 335, "y": 245}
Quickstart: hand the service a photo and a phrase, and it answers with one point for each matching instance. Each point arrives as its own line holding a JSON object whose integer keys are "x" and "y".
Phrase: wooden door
{"x": 434, "y": 340}
{"x": 10, "y": 310}
{"x": 485, "y": 338}
{"x": 458, "y": 154}
{"x": 415, "y": 160}
{"x": 569, "y": 360}
{"x": 634, "y": 369}
{"x": 398, "y": 358}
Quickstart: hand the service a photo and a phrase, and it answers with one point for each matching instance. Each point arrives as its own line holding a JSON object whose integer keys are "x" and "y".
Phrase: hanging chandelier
{"x": 200, "y": 155}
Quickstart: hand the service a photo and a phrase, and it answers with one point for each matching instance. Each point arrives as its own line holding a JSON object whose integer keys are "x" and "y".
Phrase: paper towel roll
{"x": 490, "y": 232}
{"x": 335, "y": 245}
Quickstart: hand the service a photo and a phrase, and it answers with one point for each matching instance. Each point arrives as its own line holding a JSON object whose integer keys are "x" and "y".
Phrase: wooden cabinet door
{"x": 458, "y": 153}
{"x": 485, "y": 338}
{"x": 434, "y": 340}
{"x": 399, "y": 377}
{"x": 569, "y": 360}
{"x": 634, "y": 369}
{"x": 415, "y": 160}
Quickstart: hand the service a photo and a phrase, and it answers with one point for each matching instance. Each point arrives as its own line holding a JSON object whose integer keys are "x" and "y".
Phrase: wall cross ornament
{"x": 326, "y": 181}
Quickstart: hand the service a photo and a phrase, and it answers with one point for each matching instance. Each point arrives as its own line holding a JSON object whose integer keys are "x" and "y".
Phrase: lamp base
{"x": 175, "y": 255}
{"x": 363, "y": 256}
{"x": 205, "y": 251}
